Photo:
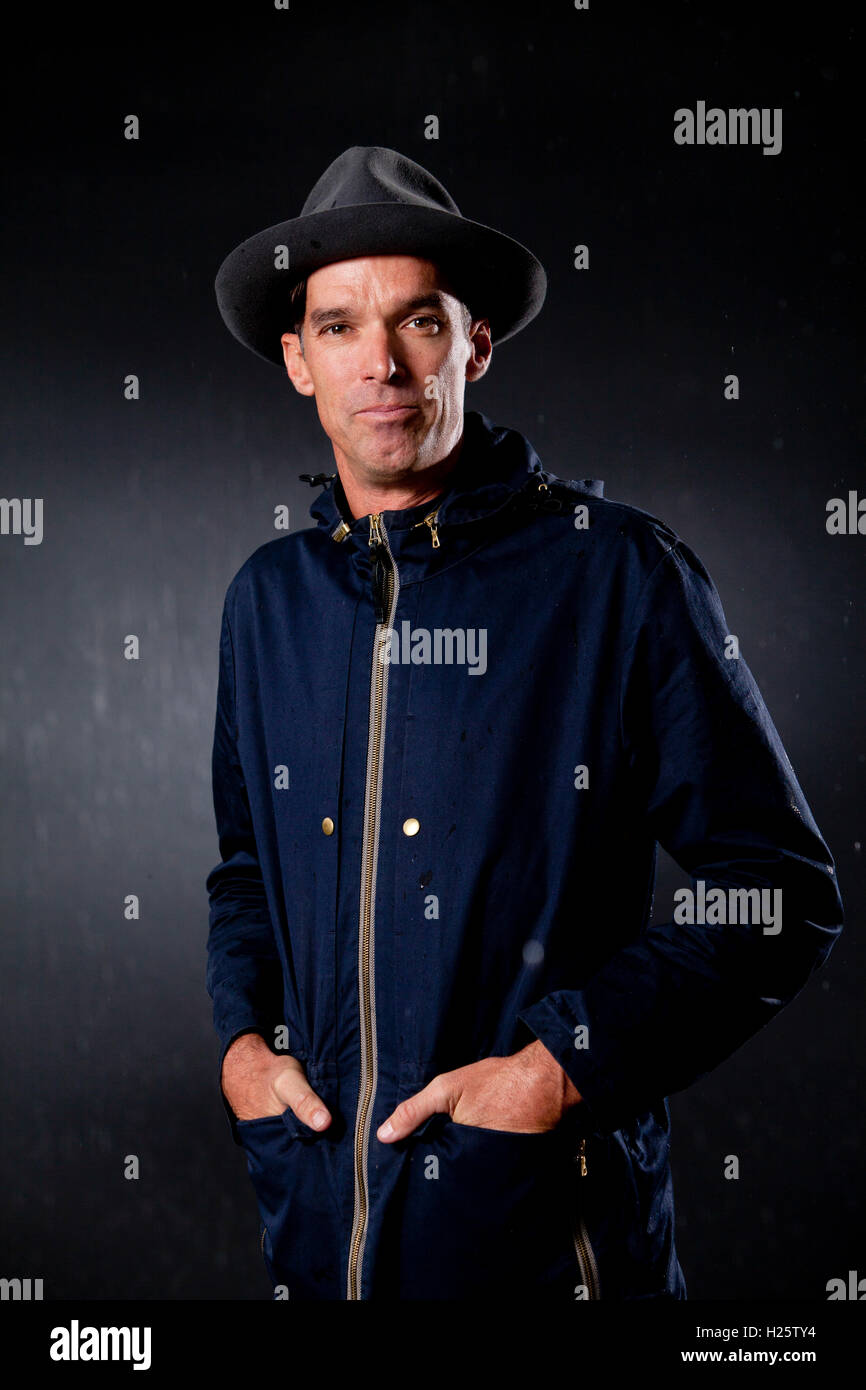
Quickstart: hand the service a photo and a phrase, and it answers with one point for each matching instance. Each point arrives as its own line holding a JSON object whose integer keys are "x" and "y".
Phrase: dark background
{"x": 557, "y": 127}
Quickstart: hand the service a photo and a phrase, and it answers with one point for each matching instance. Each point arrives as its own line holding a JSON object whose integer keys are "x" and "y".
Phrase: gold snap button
{"x": 411, "y": 826}
{"x": 328, "y": 825}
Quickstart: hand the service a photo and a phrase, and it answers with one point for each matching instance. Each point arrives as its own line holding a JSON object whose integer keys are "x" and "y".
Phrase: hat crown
{"x": 376, "y": 174}
{"x": 374, "y": 201}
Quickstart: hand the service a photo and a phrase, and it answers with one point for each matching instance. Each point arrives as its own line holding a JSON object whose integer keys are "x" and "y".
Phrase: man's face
{"x": 379, "y": 332}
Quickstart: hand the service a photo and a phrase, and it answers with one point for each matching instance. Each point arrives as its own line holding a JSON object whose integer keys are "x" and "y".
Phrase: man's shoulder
{"x": 276, "y": 558}
{"x": 617, "y": 526}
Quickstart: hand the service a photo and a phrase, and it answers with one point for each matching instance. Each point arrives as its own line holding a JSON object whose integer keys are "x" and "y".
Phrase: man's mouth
{"x": 387, "y": 412}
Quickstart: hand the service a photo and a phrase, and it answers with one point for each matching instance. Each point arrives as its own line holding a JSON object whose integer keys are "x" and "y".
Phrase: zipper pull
{"x": 581, "y": 1154}
{"x": 431, "y": 522}
{"x": 381, "y": 566}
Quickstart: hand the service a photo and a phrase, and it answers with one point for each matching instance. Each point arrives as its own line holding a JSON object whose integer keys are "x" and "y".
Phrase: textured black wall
{"x": 557, "y": 126}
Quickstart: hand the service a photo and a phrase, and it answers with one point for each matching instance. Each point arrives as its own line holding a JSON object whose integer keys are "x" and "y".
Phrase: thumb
{"x": 413, "y": 1111}
{"x": 294, "y": 1090}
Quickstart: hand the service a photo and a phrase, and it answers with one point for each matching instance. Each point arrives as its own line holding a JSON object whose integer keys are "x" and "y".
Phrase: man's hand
{"x": 527, "y": 1093}
{"x": 257, "y": 1082}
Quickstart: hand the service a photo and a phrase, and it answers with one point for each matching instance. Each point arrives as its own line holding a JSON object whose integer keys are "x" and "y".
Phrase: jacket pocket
{"x": 487, "y": 1213}
{"x": 290, "y": 1170}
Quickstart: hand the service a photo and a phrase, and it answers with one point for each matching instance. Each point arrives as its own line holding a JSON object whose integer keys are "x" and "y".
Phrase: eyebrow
{"x": 434, "y": 300}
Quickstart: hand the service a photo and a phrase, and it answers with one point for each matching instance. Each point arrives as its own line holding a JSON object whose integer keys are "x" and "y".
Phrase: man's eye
{"x": 419, "y": 318}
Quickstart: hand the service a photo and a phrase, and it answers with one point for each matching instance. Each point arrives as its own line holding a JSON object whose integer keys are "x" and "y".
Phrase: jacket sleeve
{"x": 714, "y": 786}
{"x": 244, "y": 975}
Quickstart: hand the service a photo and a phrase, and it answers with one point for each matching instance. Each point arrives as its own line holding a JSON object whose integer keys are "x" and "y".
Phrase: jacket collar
{"x": 494, "y": 464}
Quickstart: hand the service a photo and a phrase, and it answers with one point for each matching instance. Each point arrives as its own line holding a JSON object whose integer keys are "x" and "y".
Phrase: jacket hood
{"x": 494, "y": 464}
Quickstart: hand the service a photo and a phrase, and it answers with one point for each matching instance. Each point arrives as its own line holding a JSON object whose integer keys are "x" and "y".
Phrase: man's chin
{"x": 390, "y": 449}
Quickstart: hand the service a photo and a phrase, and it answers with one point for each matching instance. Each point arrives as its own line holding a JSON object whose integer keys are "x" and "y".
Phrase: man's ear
{"x": 481, "y": 346}
{"x": 296, "y": 366}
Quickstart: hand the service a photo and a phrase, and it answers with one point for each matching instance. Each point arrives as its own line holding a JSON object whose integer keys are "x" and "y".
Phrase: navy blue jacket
{"x": 425, "y": 863}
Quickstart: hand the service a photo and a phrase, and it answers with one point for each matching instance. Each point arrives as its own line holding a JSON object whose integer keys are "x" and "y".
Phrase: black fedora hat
{"x": 373, "y": 201}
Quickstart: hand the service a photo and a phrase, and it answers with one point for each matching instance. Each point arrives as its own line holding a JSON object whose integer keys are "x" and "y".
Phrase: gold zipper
{"x": 582, "y": 1247}
{"x": 430, "y": 520}
{"x": 366, "y": 981}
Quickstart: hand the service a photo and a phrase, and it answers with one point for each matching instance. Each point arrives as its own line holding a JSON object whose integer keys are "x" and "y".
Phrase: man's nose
{"x": 381, "y": 358}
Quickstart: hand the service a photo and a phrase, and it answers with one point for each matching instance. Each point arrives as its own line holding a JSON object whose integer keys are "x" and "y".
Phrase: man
{"x": 453, "y": 721}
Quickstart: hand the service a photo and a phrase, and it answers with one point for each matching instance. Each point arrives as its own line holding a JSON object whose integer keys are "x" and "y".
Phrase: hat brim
{"x": 495, "y": 275}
